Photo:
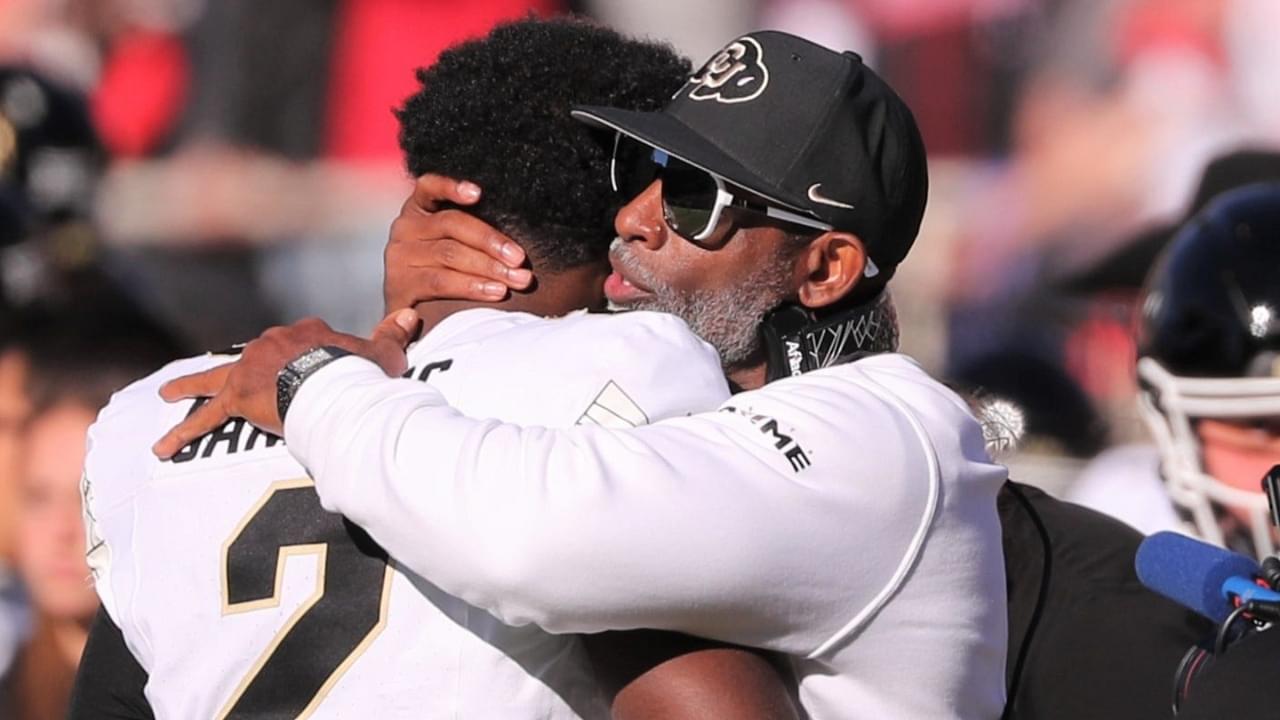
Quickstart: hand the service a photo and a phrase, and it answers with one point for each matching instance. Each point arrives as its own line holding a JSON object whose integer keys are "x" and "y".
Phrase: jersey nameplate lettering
{"x": 237, "y": 436}
{"x": 226, "y": 439}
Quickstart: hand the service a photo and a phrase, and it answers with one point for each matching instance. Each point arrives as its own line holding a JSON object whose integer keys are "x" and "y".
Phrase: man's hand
{"x": 247, "y": 387}
{"x": 439, "y": 253}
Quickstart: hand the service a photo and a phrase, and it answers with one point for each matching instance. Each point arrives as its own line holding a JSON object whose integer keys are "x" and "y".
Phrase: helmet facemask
{"x": 1173, "y": 406}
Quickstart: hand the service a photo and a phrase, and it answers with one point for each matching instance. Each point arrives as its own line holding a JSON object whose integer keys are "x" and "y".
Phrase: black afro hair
{"x": 496, "y": 111}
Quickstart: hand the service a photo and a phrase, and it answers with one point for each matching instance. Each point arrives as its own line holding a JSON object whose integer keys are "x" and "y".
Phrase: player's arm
{"x": 653, "y": 675}
{"x": 110, "y": 682}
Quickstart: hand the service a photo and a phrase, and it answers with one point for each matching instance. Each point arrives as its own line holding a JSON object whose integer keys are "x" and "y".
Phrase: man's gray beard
{"x": 728, "y": 318}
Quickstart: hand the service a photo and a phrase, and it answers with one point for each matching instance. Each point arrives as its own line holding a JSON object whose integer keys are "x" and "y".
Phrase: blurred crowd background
{"x": 176, "y": 175}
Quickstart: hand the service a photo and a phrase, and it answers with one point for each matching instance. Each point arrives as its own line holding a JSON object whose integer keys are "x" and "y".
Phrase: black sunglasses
{"x": 692, "y": 198}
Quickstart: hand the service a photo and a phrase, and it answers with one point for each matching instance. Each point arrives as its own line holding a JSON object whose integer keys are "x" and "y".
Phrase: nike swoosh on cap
{"x": 814, "y": 196}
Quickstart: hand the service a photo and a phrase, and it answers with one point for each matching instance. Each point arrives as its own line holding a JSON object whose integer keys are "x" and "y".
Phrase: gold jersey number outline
{"x": 306, "y": 530}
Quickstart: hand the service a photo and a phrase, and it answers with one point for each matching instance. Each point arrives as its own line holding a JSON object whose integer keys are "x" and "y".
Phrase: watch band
{"x": 297, "y": 370}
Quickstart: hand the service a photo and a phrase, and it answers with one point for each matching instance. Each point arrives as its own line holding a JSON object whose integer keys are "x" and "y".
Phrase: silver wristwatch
{"x": 293, "y": 374}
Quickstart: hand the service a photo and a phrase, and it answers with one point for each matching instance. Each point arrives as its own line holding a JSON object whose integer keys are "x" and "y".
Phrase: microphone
{"x": 1199, "y": 576}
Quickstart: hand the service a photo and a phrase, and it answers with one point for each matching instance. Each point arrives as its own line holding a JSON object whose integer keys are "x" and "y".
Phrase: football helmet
{"x": 1208, "y": 342}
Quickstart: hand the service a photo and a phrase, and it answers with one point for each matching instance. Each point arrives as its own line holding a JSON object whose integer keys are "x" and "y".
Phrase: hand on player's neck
{"x": 552, "y": 294}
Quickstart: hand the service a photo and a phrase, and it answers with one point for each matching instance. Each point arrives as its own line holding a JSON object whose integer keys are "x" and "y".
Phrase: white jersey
{"x": 1124, "y": 482}
{"x": 846, "y": 518}
{"x": 241, "y": 597}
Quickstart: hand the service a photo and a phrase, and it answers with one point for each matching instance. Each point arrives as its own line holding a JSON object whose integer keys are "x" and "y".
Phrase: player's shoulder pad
{"x": 653, "y": 356}
{"x": 142, "y": 397}
{"x": 659, "y": 334}
{"x": 118, "y": 452}
{"x": 471, "y": 325}
{"x": 639, "y": 336}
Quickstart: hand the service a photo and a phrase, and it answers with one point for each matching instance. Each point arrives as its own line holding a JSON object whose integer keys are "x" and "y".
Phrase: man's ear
{"x": 831, "y": 266}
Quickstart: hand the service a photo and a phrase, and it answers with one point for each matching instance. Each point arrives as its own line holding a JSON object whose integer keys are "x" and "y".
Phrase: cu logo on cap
{"x": 736, "y": 74}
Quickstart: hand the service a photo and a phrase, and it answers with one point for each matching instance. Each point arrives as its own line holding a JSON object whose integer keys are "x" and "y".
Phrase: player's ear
{"x": 832, "y": 264}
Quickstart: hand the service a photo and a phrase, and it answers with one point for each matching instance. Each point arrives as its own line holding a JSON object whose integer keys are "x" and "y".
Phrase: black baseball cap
{"x": 805, "y": 127}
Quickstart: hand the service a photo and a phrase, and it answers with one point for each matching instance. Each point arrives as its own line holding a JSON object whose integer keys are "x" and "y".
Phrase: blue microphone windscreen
{"x": 1191, "y": 572}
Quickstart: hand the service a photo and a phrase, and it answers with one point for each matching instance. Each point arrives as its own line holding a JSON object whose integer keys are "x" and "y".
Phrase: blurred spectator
{"x": 1209, "y": 345}
{"x": 79, "y": 348}
{"x": 62, "y": 323}
{"x": 49, "y": 159}
{"x": 1117, "y": 106}
{"x": 1124, "y": 482}
{"x": 51, "y": 558}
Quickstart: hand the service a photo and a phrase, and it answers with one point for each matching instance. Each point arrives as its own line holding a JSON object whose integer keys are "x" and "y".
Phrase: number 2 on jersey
{"x": 331, "y": 628}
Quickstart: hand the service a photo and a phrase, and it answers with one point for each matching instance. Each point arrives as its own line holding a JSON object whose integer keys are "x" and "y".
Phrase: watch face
{"x": 310, "y": 359}
{"x": 298, "y": 370}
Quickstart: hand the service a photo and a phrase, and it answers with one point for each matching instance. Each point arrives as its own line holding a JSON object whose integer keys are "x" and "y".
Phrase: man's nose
{"x": 641, "y": 219}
